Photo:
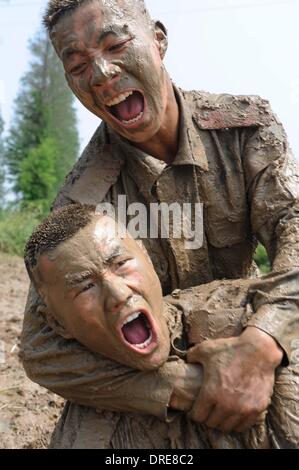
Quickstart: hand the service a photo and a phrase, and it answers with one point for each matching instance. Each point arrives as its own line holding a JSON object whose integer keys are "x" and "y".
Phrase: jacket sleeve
{"x": 73, "y": 372}
{"x": 273, "y": 182}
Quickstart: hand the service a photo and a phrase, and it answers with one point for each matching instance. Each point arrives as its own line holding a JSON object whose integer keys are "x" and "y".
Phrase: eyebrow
{"x": 116, "y": 31}
{"x": 73, "y": 280}
{"x": 115, "y": 252}
{"x": 68, "y": 51}
{"x": 104, "y": 34}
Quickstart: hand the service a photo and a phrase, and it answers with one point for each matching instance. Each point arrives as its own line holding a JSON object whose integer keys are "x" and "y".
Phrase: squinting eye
{"x": 87, "y": 287}
{"x": 117, "y": 47}
{"x": 78, "y": 69}
{"x": 121, "y": 263}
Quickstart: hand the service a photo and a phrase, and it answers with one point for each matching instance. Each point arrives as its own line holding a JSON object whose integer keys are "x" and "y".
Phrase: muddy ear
{"x": 161, "y": 37}
{"x": 52, "y": 322}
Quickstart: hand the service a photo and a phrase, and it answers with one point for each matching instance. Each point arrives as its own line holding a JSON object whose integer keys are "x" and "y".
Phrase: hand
{"x": 187, "y": 383}
{"x": 238, "y": 379}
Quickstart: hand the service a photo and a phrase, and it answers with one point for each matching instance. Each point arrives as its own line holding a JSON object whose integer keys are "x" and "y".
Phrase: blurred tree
{"x": 38, "y": 175}
{"x": 43, "y": 139}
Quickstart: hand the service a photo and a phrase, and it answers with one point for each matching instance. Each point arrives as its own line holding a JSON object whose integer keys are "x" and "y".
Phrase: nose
{"x": 103, "y": 71}
{"x": 117, "y": 294}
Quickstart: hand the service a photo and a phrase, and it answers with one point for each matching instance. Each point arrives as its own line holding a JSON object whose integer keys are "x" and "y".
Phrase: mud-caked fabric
{"x": 234, "y": 158}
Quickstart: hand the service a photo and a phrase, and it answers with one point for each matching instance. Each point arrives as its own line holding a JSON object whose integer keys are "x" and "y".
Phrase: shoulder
{"x": 224, "y": 111}
{"x": 94, "y": 173}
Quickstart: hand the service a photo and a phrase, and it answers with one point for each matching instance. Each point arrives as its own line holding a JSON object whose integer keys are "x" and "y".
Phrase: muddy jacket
{"x": 234, "y": 158}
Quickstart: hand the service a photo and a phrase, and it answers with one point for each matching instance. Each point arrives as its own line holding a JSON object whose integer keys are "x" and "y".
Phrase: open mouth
{"x": 138, "y": 332}
{"x": 127, "y": 108}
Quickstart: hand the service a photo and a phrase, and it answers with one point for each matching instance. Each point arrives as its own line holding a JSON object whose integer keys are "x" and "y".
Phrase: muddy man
{"x": 101, "y": 290}
{"x": 159, "y": 144}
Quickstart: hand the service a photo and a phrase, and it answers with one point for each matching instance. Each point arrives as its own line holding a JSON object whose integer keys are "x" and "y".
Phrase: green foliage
{"x": 43, "y": 143}
{"x": 262, "y": 260}
{"x": 61, "y": 118}
{"x": 38, "y": 178}
{"x": 25, "y": 133}
{"x": 15, "y": 229}
{"x": 41, "y": 147}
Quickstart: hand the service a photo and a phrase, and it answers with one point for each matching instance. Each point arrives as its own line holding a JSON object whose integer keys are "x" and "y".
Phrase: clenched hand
{"x": 238, "y": 379}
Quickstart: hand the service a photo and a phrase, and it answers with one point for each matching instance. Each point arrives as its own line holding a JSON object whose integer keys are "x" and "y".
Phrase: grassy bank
{"x": 15, "y": 229}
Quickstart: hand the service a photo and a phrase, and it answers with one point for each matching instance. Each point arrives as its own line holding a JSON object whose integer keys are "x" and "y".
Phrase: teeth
{"x": 134, "y": 120}
{"x": 119, "y": 99}
{"x": 146, "y": 343}
{"x": 149, "y": 340}
{"x": 132, "y": 317}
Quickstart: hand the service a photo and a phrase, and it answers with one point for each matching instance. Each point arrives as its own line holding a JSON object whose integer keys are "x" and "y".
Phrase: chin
{"x": 152, "y": 363}
{"x": 137, "y": 136}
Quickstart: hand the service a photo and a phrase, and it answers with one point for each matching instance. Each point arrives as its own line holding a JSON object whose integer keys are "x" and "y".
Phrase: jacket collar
{"x": 107, "y": 153}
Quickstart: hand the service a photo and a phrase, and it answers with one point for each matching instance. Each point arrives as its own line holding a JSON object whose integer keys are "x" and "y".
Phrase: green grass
{"x": 15, "y": 229}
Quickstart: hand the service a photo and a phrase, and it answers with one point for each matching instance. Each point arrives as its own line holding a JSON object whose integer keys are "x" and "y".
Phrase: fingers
{"x": 218, "y": 419}
{"x": 222, "y": 419}
{"x": 249, "y": 422}
{"x": 230, "y": 424}
{"x": 215, "y": 416}
{"x": 202, "y": 408}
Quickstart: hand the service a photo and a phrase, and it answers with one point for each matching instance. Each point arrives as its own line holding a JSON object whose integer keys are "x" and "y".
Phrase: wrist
{"x": 186, "y": 387}
{"x": 264, "y": 344}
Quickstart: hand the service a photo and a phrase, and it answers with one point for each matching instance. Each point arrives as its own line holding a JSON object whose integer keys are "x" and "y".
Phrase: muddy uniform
{"x": 215, "y": 310}
{"x": 234, "y": 158}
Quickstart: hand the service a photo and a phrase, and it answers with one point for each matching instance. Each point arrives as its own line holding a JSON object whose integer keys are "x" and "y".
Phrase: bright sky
{"x": 231, "y": 46}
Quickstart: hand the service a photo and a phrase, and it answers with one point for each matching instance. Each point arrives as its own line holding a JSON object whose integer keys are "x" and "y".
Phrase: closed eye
{"x": 87, "y": 287}
{"x": 119, "y": 46}
{"x": 122, "y": 264}
{"x": 78, "y": 69}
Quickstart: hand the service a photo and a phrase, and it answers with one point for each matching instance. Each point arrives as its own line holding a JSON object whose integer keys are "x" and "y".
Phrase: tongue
{"x": 136, "y": 331}
{"x": 130, "y": 108}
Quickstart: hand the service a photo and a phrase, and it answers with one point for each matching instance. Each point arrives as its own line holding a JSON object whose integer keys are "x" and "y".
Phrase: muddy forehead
{"x": 91, "y": 248}
{"x": 119, "y": 9}
{"x": 122, "y": 9}
{"x": 113, "y": 16}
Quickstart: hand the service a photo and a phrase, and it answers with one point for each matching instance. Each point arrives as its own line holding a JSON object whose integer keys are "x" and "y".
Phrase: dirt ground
{"x": 28, "y": 412}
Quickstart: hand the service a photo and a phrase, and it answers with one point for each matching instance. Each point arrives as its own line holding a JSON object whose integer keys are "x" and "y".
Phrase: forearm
{"x": 187, "y": 384}
{"x": 273, "y": 182}
{"x": 275, "y": 302}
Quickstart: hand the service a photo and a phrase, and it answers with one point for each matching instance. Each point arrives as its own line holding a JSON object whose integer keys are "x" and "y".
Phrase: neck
{"x": 164, "y": 144}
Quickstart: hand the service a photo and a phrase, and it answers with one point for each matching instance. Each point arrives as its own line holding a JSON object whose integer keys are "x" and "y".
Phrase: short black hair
{"x": 58, "y": 8}
{"x": 59, "y": 226}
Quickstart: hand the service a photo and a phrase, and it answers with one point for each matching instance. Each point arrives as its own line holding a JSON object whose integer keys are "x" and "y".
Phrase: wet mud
{"x": 28, "y": 412}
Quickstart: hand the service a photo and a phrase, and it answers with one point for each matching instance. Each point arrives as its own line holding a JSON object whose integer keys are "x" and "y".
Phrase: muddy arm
{"x": 222, "y": 309}
{"x": 273, "y": 182}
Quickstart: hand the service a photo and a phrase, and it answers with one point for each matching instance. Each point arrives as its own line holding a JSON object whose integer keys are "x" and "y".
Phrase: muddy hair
{"x": 59, "y": 226}
{"x": 58, "y": 8}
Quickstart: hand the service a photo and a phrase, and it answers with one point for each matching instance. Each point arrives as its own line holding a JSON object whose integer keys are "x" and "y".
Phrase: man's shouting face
{"x": 113, "y": 59}
{"x": 103, "y": 291}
